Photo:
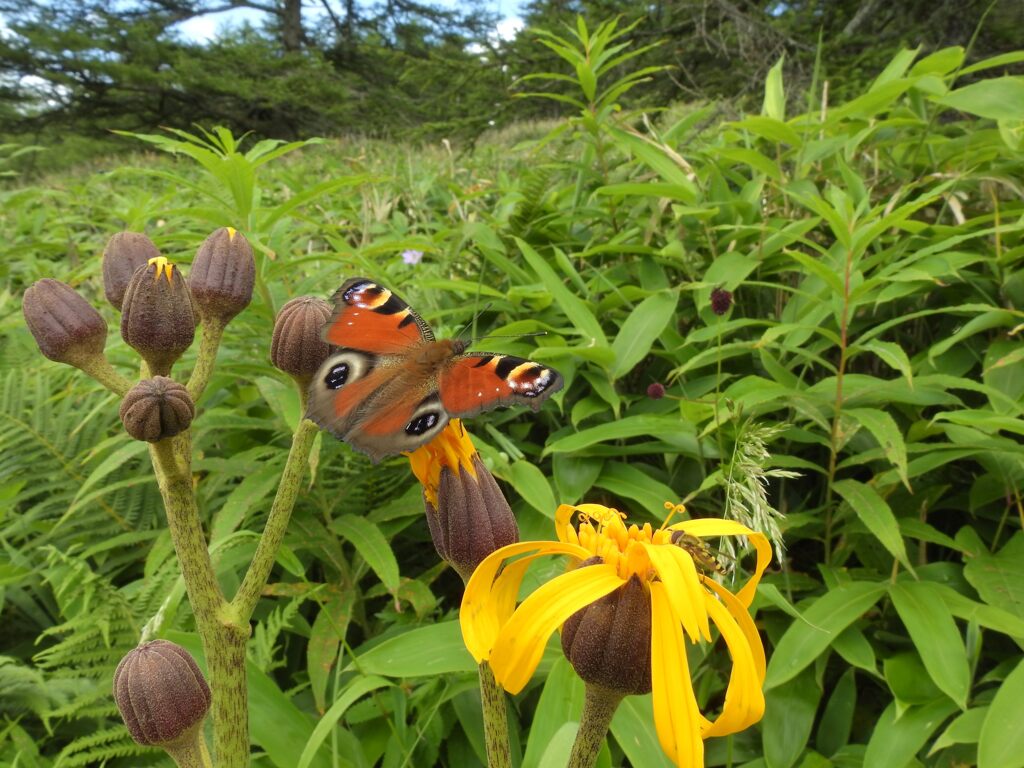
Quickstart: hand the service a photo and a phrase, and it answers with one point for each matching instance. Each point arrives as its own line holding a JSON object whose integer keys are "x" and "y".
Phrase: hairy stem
{"x": 223, "y": 639}
{"x": 191, "y": 750}
{"x": 209, "y": 342}
{"x": 255, "y": 579}
{"x": 598, "y": 708}
{"x": 100, "y": 369}
{"x": 495, "y": 723}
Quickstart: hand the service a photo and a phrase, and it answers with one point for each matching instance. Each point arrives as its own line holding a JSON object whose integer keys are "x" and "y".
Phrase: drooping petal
{"x": 742, "y": 616}
{"x": 714, "y": 527}
{"x": 676, "y": 716}
{"x": 676, "y": 569}
{"x": 521, "y": 641}
{"x": 744, "y": 699}
{"x": 487, "y": 603}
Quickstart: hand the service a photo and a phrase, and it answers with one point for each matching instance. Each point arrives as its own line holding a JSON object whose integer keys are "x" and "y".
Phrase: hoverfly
{"x": 704, "y": 558}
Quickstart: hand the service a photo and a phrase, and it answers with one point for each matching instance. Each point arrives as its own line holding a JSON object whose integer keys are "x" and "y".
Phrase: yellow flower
{"x": 467, "y": 514}
{"x": 684, "y": 603}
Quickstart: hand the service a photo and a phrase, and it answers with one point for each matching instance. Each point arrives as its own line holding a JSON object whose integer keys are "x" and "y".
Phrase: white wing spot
{"x": 350, "y": 322}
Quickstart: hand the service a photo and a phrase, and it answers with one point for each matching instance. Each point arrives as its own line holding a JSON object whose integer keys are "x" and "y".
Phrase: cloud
{"x": 508, "y": 28}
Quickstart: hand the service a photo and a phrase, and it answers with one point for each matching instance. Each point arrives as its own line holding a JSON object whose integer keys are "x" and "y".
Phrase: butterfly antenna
{"x": 476, "y": 317}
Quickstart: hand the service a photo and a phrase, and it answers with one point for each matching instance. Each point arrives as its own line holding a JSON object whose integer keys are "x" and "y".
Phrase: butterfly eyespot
{"x": 337, "y": 376}
{"x": 421, "y": 424}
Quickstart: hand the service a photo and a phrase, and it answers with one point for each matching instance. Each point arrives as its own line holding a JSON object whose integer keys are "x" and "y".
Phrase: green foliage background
{"x": 873, "y": 248}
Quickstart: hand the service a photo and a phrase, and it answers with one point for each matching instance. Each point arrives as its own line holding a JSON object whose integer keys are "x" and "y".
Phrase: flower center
{"x": 608, "y": 537}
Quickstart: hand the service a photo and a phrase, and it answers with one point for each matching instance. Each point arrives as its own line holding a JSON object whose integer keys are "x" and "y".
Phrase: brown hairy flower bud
{"x": 467, "y": 514}
{"x": 66, "y": 327}
{"x": 161, "y": 694}
{"x": 608, "y": 642}
{"x": 157, "y": 408}
{"x": 157, "y": 319}
{"x": 298, "y": 347}
{"x": 125, "y": 253}
{"x": 721, "y": 300}
{"x": 222, "y": 275}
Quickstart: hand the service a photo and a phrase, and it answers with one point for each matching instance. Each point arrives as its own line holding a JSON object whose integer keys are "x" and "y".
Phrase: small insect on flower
{"x": 703, "y": 557}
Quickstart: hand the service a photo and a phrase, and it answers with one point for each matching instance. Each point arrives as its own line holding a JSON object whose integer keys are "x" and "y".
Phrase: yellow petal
{"x": 676, "y": 716}
{"x": 521, "y": 641}
{"x": 744, "y": 700}
{"x": 715, "y": 527}
{"x": 676, "y": 569}
{"x": 486, "y": 603}
{"x": 742, "y": 616}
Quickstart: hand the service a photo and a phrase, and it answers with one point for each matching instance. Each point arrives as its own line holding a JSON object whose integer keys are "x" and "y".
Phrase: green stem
{"x": 256, "y": 577}
{"x": 209, "y": 342}
{"x": 495, "y": 723}
{"x": 191, "y": 750}
{"x": 598, "y": 708}
{"x": 99, "y": 368}
{"x": 223, "y": 639}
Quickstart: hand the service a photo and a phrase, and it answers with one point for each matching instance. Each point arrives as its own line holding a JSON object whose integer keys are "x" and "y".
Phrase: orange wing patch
{"x": 371, "y": 318}
{"x": 480, "y": 381}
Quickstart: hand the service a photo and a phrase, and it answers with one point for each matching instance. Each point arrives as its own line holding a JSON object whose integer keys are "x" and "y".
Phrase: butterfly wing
{"x": 479, "y": 381}
{"x": 368, "y": 393}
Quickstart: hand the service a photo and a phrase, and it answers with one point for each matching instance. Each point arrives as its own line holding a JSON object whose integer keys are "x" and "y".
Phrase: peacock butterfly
{"x": 391, "y": 386}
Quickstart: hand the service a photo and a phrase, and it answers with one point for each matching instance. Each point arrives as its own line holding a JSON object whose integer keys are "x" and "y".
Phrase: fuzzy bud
{"x": 222, "y": 276}
{"x": 467, "y": 514}
{"x": 158, "y": 319}
{"x": 721, "y": 301}
{"x": 608, "y": 642}
{"x": 124, "y": 254}
{"x": 161, "y": 694}
{"x": 66, "y": 327}
{"x": 656, "y": 391}
{"x": 298, "y": 347}
{"x": 157, "y": 408}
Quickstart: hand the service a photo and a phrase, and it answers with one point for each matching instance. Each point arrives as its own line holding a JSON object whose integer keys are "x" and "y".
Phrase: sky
{"x": 202, "y": 28}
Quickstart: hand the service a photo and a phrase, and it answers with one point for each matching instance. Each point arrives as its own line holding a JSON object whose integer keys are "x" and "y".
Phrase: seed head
{"x": 157, "y": 408}
{"x": 298, "y": 347}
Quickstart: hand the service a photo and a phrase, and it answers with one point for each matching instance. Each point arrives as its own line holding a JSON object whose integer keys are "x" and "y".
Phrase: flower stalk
{"x": 598, "y": 709}
{"x": 492, "y": 699}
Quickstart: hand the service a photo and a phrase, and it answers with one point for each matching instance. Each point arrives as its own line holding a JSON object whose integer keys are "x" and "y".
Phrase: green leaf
{"x": 788, "y": 718}
{"x": 114, "y": 461}
{"x": 329, "y": 629}
{"x": 245, "y": 498}
{"x": 837, "y": 718}
{"x": 965, "y": 729}
{"x": 876, "y": 515}
{"x": 1001, "y": 744}
{"x": 436, "y": 649}
{"x": 890, "y": 353}
{"x": 531, "y": 484}
{"x": 629, "y": 482}
{"x": 935, "y": 636}
{"x": 1000, "y": 98}
{"x": 575, "y": 308}
{"x": 889, "y": 436}
{"x": 774, "y": 105}
{"x": 668, "y": 428}
{"x": 349, "y": 695}
{"x": 822, "y": 622}
{"x": 999, "y": 577}
{"x": 561, "y": 702}
{"x": 642, "y": 327}
{"x": 633, "y": 729}
{"x": 899, "y": 735}
{"x": 372, "y": 547}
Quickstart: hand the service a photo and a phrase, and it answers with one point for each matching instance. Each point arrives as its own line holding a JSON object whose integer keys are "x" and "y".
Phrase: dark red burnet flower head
{"x": 656, "y": 390}
{"x": 721, "y": 301}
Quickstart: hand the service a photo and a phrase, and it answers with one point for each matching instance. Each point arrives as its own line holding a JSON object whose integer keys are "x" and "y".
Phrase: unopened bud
{"x": 222, "y": 276}
{"x": 608, "y": 642}
{"x": 298, "y": 347}
{"x": 125, "y": 253}
{"x": 161, "y": 694}
{"x": 157, "y": 318}
{"x": 157, "y": 408}
{"x": 66, "y": 327}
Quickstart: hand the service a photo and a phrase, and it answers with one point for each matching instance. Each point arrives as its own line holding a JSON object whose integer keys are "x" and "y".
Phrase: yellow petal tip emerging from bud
{"x": 453, "y": 448}
{"x": 162, "y": 266}
{"x": 231, "y": 233}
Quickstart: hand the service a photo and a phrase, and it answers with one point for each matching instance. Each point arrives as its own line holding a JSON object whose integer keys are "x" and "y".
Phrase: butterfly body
{"x": 391, "y": 386}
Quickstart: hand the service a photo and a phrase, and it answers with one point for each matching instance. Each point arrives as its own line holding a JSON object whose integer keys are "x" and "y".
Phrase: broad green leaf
{"x": 1001, "y": 744}
{"x": 113, "y": 462}
{"x": 435, "y": 649}
{"x": 788, "y": 719}
{"x": 821, "y": 623}
{"x": 837, "y": 718}
{"x": 965, "y": 729}
{"x": 642, "y": 327}
{"x": 575, "y": 308}
{"x": 890, "y": 353}
{"x": 898, "y": 736}
{"x": 533, "y": 487}
{"x": 876, "y": 515}
{"x": 999, "y": 577}
{"x": 935, "y": 635}
{"x": 371, "y": 546}
{"x": 982, "y": 322}
{"x": 575, "y": 475}
{"x": 561, "y": 702}
{"x": 668, "y": 428}
{"x": 884, "y": 429}
{"x": 629, "y": 482}
{"x": 325, "y": 638}
{"x": 633, "y": 729}
{"x": 771, "y": 129}
{"x": 1000, "y": 98}
{"x": 558, "y": 747}
{"x": 245, "y": 498}
{"x": 855, "y": 649}
{"x": 774, "y": 105}
{"x": 349, "y": 695}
